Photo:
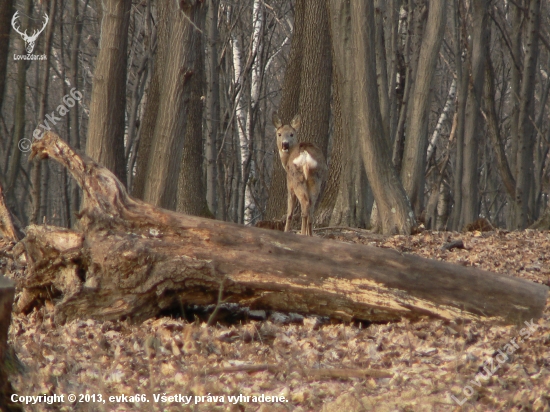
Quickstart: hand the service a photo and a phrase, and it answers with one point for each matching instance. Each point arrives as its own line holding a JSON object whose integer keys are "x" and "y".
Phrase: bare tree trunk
{"x": 381, "y": 65}
{"x": 541, "y": 150}
{"x": 147, "y": 128}
{"x": 37, "y": 180}
{"x": 414, "y": 159}
{"x": 474, "y": 127}
{"x": 406, "y": 72}
{"x": 170, "y": 129}
{"x": 316, "y": 76}
{"x": 19, "y": 117}
{"x": 258, "y": 23}
{"x": 494, "y": 131}
{"x": 395, "y": 211}
{"x": 516, "y": 12}
{"x": 526, "y": 116}
{"x": 191, "y": 188}
{"x": 6, "y": 12}
{"x": 105, "y": 142}
{"x": 7, "y": 295}
{"x": 276, "y": 204}
{"x": 393, "y": 64}
{"x": 331, "y": 190}
{"x": 74, "y": 130}
{"x": 451, "y": 100}
{"x": 212, "y": 106}
{"x": 462, "y": 74}
{"x": 349, "y": 205}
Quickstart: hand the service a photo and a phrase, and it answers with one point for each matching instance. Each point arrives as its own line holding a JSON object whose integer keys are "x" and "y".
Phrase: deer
{"x": 306, "y": 171}
{"x": 29, "y": 40}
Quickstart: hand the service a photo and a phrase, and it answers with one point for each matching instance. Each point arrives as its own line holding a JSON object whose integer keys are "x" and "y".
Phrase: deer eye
{"x": 279, "y": 134}
{"x": 291, "y": 134}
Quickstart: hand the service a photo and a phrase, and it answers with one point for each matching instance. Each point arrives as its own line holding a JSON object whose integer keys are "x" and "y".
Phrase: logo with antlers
{"x": 29, "y": 40}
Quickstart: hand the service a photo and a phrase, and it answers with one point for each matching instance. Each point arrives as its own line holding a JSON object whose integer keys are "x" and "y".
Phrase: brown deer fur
{"x": 306, "y": 171}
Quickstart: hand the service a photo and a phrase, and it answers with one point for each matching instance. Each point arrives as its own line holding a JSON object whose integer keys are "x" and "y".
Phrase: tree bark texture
{"x": 191, "y": 188}
{"x": 7, "y": 294}
{"x": 527, "y": 102}
{"x": 175, "y": 89}
{"x": 330, "y": 192}
{"x": 416, "y": 142}
{"x": 462, "y": 74}
{"x": 105, "y": 141}
{"x": 349, "y": 206}
{"x": 212, "y": 105}
{"x": 6, "y": 13}
{"x": 39, "y": 200}
{"x": 396, "y": 215}
{"x": 473, "y": 130}
{"x": 153, "y": 100}
{"x": 19, "y": 112}
{"x": 74, "y": 115}
{"x": 133, "y": 260}
{"x": 316, "y": 78}
{"x": 505, "y": 172}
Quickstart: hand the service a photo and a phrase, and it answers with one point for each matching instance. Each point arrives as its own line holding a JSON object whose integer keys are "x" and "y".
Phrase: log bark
{"x": 7, "y": 293}
{"x": 132, "y": 260}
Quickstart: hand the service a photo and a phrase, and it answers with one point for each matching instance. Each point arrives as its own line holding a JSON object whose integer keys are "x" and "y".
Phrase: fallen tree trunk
{"x": 132, "y": 260}
{"x": 7, "y": 292}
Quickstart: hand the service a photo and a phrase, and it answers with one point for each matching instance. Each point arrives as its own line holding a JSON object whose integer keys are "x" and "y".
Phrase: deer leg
{"x": 290, "y": 208}
{"x": 310, "y": 220}
{"x": 306, "y": 221}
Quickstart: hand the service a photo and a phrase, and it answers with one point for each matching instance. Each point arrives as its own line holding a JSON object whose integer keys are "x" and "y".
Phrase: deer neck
{"x": 286, "y": 157}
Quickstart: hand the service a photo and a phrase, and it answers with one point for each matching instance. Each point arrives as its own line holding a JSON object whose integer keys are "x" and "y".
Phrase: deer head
{"x": 29, "y": 40}
{"x": 286, "y": 135}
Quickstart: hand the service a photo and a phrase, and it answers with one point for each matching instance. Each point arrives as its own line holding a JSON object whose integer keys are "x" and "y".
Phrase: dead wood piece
{"x": 7, "y": 229}
{"x": 136, "y": 260}
{"x": 455, "y": 244}
{"x": 7, "y": 293}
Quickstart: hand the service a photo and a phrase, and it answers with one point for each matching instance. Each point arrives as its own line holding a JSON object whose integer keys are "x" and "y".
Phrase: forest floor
{"x": 310, "y": 361}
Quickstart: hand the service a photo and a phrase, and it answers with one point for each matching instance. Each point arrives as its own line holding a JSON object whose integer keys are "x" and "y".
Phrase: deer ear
{"x": 276, "y": 121}
{"x": 296, "y": 122}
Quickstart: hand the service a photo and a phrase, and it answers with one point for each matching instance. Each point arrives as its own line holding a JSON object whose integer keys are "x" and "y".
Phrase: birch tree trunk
{"x": 258, "y": 17}
{"x": 442, "y": 119}
{"x": 240, "y": 119}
